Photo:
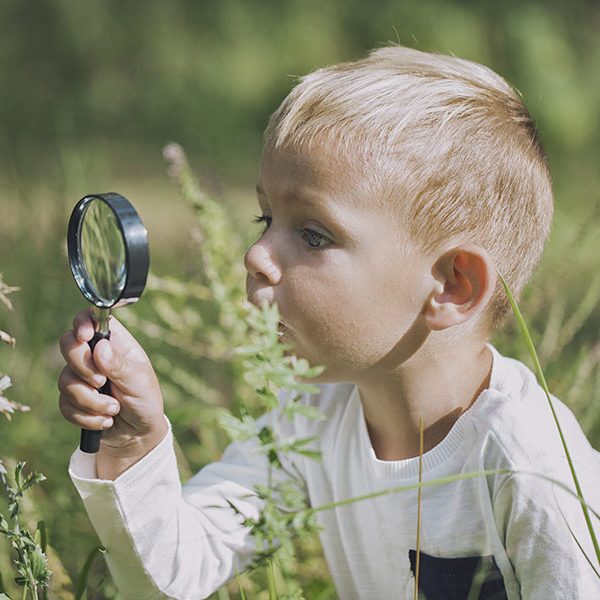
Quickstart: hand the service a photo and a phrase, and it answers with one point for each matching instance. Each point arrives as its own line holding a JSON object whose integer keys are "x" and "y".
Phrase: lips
{"x": 283, "y": 326}
{"x": 283, "y": 332}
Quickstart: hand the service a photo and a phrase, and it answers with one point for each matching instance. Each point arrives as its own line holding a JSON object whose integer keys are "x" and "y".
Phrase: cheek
{"x": 345, "y": 315}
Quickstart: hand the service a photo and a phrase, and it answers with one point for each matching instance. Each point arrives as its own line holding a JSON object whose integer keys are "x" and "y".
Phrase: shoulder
{"x": 536, "y": 517}
{"x": 517, "y": 431}
{"x": 515, "y": 416}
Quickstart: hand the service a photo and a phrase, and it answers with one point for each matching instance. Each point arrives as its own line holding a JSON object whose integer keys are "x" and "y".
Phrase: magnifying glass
{"x": 109, "y": 258}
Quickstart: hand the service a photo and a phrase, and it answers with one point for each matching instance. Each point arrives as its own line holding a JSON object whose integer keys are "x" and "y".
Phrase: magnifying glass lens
{"x": 102, "y": 252}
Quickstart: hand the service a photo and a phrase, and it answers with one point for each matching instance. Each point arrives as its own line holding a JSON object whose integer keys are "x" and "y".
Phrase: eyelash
{"x": 311, "y": 232}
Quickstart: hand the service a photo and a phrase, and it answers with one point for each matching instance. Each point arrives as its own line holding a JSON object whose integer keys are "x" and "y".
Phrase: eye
{"x": 262, "y": 219}
{"x": 314, "y": 238}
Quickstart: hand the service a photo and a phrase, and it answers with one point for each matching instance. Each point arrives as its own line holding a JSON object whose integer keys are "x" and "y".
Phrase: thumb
{"x": 110, "y": 363}
{"x": 125, "y": 364}
{"x": 114, "y": 365}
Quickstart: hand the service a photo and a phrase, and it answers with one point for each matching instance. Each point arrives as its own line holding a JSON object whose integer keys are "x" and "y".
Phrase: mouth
{"x": 282, "y": 329}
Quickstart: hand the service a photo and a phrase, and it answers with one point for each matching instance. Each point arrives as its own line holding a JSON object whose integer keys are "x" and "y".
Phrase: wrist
{"x": 113, "y": 460}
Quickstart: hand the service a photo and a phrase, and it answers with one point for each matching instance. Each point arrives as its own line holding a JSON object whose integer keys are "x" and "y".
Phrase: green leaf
{"x": 238, "y": 429}
{"x": 265, "y": 435}
{"x": 41, "y": 529}
{"x": 18, "y": 472}
{"x": 39, "y": 567}
{"x": 313, "y": 454}
{"x": 2, "y": 588}
{"x": 308, "y": 411}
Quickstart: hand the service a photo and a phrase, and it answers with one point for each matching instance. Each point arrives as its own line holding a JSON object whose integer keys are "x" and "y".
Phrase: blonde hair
{"x": 446, "y": 138}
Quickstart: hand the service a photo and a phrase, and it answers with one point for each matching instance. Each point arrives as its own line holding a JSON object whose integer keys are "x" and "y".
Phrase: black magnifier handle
{"x": 90, "y": 438}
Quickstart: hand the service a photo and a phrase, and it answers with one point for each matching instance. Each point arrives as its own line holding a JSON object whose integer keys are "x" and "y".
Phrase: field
{"x": 551, "y": 55}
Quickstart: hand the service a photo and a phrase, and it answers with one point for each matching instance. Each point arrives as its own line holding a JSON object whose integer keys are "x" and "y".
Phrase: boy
{"x": 391, "y": 189}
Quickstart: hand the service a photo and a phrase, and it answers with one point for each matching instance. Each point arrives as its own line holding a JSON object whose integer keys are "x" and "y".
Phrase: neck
{"x": 437, "y": 387}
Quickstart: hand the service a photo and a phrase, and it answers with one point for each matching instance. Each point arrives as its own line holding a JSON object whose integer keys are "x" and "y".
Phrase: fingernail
{"x": 107, "y": 423}
{"x": 104, "y": 351}
{"x": 99, "y": 380}
{"x": 113, "y": 409}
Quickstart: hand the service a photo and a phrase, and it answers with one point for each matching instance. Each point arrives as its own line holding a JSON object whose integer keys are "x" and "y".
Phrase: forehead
{"x": 320, "y": 174}
{"x": 286, "y": 171}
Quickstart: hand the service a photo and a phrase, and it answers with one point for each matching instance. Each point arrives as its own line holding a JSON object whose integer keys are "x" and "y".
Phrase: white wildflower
{"x": 7, "y": 407}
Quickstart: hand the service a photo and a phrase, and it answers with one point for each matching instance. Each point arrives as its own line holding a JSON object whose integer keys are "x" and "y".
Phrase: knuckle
{"x": 82, "y": 318}
{"x": 119, "y": 364}
{"x": 63, "y": 379}
{"x": 65, "y": 408}
{"x": 66, "y": 341}
{"x": 92, "y": 422}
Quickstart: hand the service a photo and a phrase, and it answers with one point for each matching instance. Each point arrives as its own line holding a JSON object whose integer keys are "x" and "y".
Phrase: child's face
{"x": 348, "y": 283}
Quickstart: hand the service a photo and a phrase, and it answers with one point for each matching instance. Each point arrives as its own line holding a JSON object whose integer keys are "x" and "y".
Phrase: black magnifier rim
{"x": 135, "y": 237}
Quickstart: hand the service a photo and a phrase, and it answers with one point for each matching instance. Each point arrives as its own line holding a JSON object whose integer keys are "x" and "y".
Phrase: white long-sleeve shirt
{"x": 166, "y": 540}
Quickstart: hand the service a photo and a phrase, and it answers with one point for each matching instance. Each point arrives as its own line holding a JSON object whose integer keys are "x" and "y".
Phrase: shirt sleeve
{"x": 539, "y": 521}
{"x": 166, "y": 540}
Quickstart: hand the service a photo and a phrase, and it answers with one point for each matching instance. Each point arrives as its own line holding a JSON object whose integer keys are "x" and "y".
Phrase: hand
{"x": 137, "y": 416}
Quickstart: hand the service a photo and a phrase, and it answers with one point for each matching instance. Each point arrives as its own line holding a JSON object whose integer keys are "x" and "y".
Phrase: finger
{"x": 83, "y": 419}
{"x": 78, "y": 357}
{"x": 85, "y": 398}
{"x": 83, "y": 326}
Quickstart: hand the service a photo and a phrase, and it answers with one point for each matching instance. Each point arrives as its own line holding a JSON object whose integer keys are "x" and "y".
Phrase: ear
{"x": 466, "y": 280}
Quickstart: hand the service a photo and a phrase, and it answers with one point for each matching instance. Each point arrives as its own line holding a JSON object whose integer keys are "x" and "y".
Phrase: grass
{"x": 419, "y": 502}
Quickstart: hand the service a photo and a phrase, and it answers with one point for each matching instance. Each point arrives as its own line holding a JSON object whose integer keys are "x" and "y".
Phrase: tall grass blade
{"x": 41, "y": 527}
{"x": 239, "y": 582}
{"x": 419, "y": 497}
{"x": 478, "y": 581}
{"x": 414, "y": 486}
{"x": 445, "y": 481}
{"x": 578, "y": 544}
{"x": 82, "y": 583}
{"x": 542, "y": 379}
{"x": 273, "y": 594}
{"x": 223, "y": 594}
{"x": 582, "y": 550}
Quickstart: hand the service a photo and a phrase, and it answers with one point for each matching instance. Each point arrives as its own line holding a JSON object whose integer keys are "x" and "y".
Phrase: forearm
{"x": 165, "y": 542}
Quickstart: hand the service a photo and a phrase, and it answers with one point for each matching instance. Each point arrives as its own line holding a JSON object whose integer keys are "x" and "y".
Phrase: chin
{"x": 324, "y": 377}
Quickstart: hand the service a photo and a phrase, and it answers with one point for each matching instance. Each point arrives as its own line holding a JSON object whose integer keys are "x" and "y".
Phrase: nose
{"x": 258, "y": 262}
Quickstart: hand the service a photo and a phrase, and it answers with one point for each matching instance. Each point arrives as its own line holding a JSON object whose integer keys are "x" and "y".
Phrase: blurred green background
{"x": 90, "y": 91}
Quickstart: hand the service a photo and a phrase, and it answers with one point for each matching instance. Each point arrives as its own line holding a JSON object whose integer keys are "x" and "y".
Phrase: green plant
{"x": 245, "y": 339}
{"x": 7, "y": 407}
{"x": 269, "y": 369}
{"x": 31, "y": 563}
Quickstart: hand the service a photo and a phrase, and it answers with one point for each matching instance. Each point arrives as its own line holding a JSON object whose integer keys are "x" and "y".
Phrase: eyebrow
{"x": 298, "y": 198}
{"x": 338, "y": 226}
